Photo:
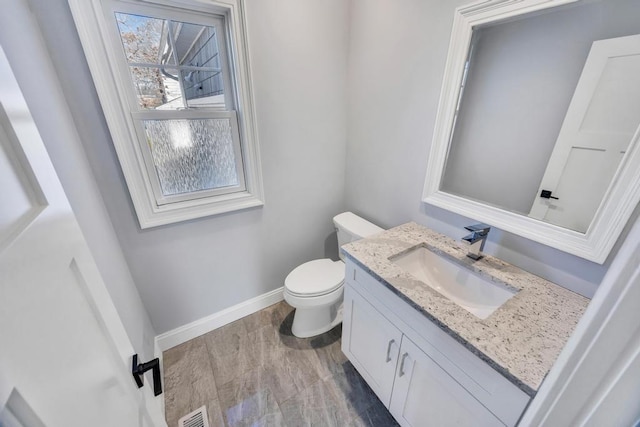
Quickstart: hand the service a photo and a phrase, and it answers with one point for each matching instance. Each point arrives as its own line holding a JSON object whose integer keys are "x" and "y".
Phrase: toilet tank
{"x": 350, "y": 227}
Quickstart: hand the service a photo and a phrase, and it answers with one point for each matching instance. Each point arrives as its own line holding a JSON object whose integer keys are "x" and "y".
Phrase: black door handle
{"x": 138, "y": 370}
{"x": 546, "y": 194}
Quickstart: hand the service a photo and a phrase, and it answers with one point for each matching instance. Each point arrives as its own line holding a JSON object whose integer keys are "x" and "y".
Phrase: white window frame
{"x": 114, "y": 90}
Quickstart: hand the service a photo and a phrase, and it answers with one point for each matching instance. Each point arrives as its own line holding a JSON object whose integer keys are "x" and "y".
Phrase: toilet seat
{"x": 315, "y": 278}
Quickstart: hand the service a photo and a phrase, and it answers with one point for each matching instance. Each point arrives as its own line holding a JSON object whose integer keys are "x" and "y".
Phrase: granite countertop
{"x": 521, "y": 339}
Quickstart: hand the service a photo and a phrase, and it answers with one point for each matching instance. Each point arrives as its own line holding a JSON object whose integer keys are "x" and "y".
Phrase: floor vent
{"x": 197, "y": 418}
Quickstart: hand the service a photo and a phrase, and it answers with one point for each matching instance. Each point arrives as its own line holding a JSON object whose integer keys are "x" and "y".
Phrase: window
{"x": 173, "y": 83}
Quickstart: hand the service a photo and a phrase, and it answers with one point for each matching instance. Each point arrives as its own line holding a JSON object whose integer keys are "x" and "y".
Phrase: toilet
{"x": 315, "y": 288}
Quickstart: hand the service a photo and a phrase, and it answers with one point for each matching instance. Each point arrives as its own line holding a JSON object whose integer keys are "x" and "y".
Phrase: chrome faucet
{"x": 476, "y": 239}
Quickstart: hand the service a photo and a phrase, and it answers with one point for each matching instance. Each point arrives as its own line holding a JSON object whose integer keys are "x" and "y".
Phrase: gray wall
{"x": 298, "y": 53}
{"x": 26, "y": 49}
{"x": 391, "y": 125}
{"x": 375, "y": 64}
{"x": 523, "y": 75}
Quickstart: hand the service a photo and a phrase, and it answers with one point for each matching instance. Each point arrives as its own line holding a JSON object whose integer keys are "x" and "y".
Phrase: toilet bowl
{"x": 315, "y": 288}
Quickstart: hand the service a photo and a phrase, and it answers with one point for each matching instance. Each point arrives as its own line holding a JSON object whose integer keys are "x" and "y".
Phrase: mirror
{"x": 538, "y": 124}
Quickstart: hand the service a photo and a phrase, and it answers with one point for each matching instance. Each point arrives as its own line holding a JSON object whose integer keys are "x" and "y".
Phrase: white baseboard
{"x": 199, "y": 327}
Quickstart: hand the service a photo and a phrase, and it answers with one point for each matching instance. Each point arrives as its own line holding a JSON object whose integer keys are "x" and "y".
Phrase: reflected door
{"x": 601, "y": 122}
{"x": 64, "y": 355}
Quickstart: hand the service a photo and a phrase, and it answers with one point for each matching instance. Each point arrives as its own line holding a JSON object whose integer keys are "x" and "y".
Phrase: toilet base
{"x": 312, "y": 321}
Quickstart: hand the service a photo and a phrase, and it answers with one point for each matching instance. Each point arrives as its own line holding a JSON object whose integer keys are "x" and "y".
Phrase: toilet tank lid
{"x": 356, "y": 225}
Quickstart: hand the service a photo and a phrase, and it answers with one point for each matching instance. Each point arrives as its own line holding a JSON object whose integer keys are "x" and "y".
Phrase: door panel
{"x": 64, "y": 349}
{"x": 601, "y": 121}
{"x": 586, "y": 176}
{"x": 23, "y": 204}
{"x": 615, "y": 103}
{"x": 425, "y": 395}
{"x": 371, "y": 343}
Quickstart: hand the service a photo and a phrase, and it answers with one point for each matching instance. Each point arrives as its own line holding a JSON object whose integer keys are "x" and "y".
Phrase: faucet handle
{"x": 481, "y": 229}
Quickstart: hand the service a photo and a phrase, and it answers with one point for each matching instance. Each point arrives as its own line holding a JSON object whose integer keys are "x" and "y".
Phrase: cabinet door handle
{"x": 404, "y": 357}
{"x": 389, "y": 350}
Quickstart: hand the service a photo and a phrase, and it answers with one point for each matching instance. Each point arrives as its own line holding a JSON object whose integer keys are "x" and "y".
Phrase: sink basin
{"x": 471, "y": 291}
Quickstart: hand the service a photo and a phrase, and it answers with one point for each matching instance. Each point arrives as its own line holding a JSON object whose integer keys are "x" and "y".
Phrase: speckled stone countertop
{"x": 521, "y": 339}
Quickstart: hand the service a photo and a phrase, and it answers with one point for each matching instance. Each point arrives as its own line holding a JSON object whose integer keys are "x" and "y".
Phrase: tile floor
{"x": 254, "y": 372}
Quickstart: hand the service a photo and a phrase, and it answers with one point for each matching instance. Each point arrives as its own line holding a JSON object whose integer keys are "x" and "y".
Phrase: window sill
{"x": 153, "y": 216}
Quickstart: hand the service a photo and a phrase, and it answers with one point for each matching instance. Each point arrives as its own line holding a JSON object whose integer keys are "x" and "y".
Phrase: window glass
{"x": 157, "y": 88}
{"x": 192, "y": 155}
{"x": 203, "y": 88}
{"x": 141, "y": 36}
{"x": 173, "y": 65}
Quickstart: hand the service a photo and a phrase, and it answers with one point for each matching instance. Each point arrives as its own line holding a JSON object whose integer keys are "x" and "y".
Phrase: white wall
{"x": 26, "y": 49}
{"x": 298, "y": 53}
{"x": 398, "y": 50}
{"x": 374, "y": 64}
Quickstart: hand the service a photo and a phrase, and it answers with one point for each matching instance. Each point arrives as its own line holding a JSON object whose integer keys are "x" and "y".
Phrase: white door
{"x": 64, "y": 355}
{"x": 370, "y": 342}
{"x": 424, "y": 394}
{"x": 602, "y": 119}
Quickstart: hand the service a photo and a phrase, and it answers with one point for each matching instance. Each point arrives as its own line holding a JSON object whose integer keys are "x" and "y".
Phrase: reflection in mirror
{"x": 549, "y": 105}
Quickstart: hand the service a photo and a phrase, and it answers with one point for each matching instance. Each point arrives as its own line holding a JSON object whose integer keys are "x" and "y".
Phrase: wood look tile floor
{"x": 254, "y": 372}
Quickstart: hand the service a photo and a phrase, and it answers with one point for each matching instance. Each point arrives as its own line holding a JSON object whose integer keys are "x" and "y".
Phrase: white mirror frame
{"x": 619, "y": 201}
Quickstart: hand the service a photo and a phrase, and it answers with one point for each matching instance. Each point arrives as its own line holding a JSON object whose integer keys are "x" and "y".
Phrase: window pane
{"x": 189, "y": 72}
{"x": 196, "y": 49}
{"x": 203, "y": 89}
{"x": 141, "y": 37}
{"x": 157, "y": 88}
{"x": 192, "y": 155}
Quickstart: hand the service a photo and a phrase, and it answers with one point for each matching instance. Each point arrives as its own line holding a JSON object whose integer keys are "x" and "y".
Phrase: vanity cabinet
{"x": 418, "y": 371}
{"x": 371, "y": 343}
{"x": 424, "y": 393}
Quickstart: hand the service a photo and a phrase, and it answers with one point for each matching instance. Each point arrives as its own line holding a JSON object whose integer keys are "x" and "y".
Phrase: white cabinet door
{"x": 371, "y": 343}
{"x": 425, "y": 395}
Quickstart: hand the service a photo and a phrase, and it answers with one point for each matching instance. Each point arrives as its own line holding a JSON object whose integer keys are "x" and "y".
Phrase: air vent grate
{"x": 197, "y": 418}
